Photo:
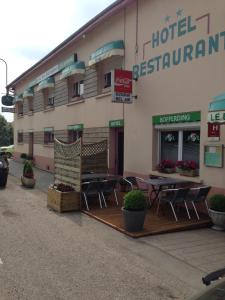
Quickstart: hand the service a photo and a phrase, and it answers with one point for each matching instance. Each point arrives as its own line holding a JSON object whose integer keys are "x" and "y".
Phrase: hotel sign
{"x": 116, "y": 123}
{"x": 78, "y": 127}
{"x": 184, "y": 117}
{"x": 122, "y": 86}
{"x": 216, "y": 117}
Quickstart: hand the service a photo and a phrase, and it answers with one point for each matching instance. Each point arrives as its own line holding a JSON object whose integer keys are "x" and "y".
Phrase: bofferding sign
{"x": 122, "y": 86}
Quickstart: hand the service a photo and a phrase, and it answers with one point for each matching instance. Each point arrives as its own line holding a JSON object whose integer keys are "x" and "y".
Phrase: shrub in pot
{"x": 134, "y": 210}
{"x": 217, "y": 211}
{"x": 27, "y": 178}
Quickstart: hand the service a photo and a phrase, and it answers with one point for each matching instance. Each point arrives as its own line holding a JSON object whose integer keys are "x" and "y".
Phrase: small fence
{"x": 71, "y": 160}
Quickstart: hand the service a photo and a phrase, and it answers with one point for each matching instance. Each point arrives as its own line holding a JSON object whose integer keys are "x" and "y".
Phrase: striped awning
{"x": 46, "y": 83}
{"x": 115, "y": 48}
{"x": 28, "y": 93}
{"x": 18, "y": 98}
{"x": 218, "y": 103}
{"x": 75, "y": 68}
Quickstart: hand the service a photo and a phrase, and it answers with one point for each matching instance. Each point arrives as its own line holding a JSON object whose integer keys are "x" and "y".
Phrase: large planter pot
{"x": 218, "y": 219}
{"x": 63, "y": 201}
{"x": 28, "y": 182}
{"x": 133, "y": 220}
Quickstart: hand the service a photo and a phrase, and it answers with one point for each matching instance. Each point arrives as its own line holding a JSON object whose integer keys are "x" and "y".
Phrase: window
{"x": 20, "y": 137}
{"x": 107, "y": 80}
{"x": 179, "y": 145}
{"x": 169, "y": 145}
{"x": 49, "y": 98}
{"x": 104, "y": 73}
{"x": 20, "y": 109}
{"x": 48, "y": 136}
{"x": 30, "y": 105}
{"x": 74, "y": 135}
{"x": 78, "y": 89}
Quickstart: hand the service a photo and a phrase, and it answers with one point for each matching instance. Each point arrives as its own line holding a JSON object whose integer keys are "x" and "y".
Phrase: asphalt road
{"x": 45, "y": 255}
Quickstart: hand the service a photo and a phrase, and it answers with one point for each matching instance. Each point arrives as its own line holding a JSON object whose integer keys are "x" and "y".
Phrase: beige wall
{"x": 187, "y": 87}
{"x": 182, "y": 88}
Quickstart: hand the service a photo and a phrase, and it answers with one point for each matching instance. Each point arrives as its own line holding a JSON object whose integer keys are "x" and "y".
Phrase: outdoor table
{"x": 96, "y": 176}
{"x": 158, "y": 184}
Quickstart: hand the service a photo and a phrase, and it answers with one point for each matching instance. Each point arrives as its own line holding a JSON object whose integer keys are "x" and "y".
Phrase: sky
{"x": 27, "y": 35}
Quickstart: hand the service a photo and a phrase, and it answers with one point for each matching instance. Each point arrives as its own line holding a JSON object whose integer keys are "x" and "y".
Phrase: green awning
{"x": 28, "y": 93}
{"x": 110, "y": 49}
{"x": 46, "y": 83}
{"x": 218, "y": 103}
{"x": 48, "y": 129}
{"x": 75, "y": 127}
{"x": 18, "y": 98}
{"x": 75, "y": 68}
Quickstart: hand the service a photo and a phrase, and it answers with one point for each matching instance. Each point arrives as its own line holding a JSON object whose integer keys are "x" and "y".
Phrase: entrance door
{"x": 31, "y": 144}
{"x": 116, "y": 150}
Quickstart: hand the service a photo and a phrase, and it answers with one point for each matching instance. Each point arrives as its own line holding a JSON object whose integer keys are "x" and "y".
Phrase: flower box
{"x": 63, "y": 201}
{"x": 190, "y": 173}
{"x": 166, "y": 166}
{"x": 168, "y": 170}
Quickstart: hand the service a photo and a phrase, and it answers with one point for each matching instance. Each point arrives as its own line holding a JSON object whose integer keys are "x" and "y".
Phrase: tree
{"x": 6, "y": 132}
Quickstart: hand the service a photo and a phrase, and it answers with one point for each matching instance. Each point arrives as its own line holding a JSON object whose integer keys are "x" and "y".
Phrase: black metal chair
{"x": 108, "y": 187}
{"x": 198, "y": 195}
{"x": 132, "y": 182}
{"x": 138, "y": 183}
{"x": 174, "y": 197}
{"x": 91, "y": 190}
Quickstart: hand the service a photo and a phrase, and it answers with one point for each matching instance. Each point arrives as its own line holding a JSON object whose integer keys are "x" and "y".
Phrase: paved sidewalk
{"x": 43, "y": 178}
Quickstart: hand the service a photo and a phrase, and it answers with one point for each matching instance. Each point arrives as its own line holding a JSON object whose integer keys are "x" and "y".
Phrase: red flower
{"x": 187, "y": 164}
{"x": 166, "y": 164}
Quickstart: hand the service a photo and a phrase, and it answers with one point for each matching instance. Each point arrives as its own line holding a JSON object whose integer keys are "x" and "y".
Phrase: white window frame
{"x": 176, "y": 127}
{"x": 49, "y": 98}
{"x": 77, "y": 89}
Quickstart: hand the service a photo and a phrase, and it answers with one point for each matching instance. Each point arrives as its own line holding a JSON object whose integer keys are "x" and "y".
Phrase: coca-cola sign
{"x": 122, "y": 86}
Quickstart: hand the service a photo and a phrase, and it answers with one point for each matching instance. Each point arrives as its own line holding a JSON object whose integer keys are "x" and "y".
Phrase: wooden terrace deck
{"x": 164, "y": 223}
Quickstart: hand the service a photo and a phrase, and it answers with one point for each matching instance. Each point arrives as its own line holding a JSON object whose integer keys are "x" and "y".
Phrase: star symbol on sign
{"x": 179, "y": 12}
{"x": 167, "y": 19}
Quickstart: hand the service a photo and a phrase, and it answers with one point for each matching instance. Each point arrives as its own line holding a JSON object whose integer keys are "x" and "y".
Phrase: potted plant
{"x": 187, "y": 168}
{"x": 217, "y": 211}
{"x": 134, "y": 210}
{"x": 166, "y": 166}
{"x": 63, "y": 197}
{"x": 27, "y": 178}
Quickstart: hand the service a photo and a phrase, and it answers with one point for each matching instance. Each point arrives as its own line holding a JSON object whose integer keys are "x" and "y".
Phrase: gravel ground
{"x": 46, "y": 255}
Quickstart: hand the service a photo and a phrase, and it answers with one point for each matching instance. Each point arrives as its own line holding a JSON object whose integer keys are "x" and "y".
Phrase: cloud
{"x": 31, "y": 29}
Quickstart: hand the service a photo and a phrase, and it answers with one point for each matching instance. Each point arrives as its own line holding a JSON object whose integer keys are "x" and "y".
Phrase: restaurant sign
{"x": 216, "y": 117}
{"x": 122, "y": 86}
{"x": 184, "y": 117}
{"x": 116, "y": 123}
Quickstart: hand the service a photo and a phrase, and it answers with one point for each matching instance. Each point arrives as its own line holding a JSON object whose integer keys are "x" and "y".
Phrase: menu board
{"x": 213, "y": 156}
